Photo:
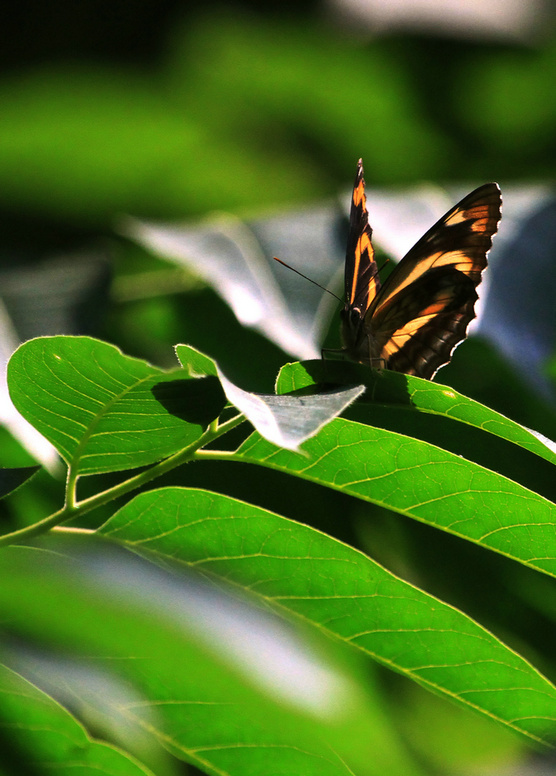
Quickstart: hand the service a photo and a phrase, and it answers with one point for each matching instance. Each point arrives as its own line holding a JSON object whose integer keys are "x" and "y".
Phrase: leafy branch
{"x": 243, "y": 577}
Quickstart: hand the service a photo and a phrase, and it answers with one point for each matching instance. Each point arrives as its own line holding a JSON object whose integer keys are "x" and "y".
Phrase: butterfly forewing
{"x": 413, "y": 323}
{"x": 460, "y": 239}
{"x": 361, "y": 273}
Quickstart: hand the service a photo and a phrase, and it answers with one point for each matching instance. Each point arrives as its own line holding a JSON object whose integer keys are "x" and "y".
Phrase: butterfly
{"x": 413, "y": 322}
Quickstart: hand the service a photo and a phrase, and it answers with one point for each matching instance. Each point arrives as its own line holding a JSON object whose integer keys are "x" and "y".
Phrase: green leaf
{"x": 345, "y": 594}
{"x": 228, "y": 687}
{"x": 287, "y": 421}
{"x": 413, "y": 393}
{"x": 38, "y": 735}
{"x": 11, "y": 479}
{"x": 99, "y": 699}
{"x": 104, "y": 411}
{"x": 196, "y": 364}
{"x": 424, "y": 482}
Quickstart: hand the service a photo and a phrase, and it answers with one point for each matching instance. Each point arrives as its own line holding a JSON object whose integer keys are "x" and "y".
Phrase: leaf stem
{"x": 73, "y": 508}
{"x": 71, "y": 489}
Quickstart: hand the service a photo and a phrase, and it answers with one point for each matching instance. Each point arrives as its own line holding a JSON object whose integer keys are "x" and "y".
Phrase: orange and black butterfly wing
{"x": 424, "y": 308}
{"x": 419, "y": 331}
{"x": 361, "y": 273}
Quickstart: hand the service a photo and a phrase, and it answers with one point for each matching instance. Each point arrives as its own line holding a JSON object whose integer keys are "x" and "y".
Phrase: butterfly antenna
{"x": 314, "y": 282}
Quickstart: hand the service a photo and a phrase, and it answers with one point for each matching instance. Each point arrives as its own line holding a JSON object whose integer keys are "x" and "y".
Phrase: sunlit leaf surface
{"x": 196, "y": 363}
{"x": 413, "y": 393}
{"x": 422, "y": 481}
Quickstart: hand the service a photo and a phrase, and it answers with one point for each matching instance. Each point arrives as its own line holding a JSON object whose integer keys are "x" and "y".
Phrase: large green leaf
{"x": 104, "y": 411}
{"x": 228, "y": 687}
{"x": 345, "y": 594}
{"x": 421, "y": 481}
{"x": 413, "y": 393}
{"x": 40, "y": 736}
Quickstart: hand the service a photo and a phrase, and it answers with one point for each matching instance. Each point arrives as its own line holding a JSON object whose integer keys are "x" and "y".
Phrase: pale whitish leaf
{"x": 235, "y": 258}
{"x": 504, "y": 23}
{"x": 21, "y": 429}
{"x": 288, "y": 421}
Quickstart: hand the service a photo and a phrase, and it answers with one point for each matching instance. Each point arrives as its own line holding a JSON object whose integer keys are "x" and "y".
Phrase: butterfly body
{"x": 413, "y": 322}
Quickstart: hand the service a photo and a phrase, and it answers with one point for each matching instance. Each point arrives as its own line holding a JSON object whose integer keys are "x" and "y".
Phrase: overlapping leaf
{"x": 413, "y": 393}
{"x": 196, "y": 363}
{"x": 287, "y": 421}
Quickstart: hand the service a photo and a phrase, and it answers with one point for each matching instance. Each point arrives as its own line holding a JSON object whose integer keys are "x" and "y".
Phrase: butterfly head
{"x": 352, "y": 319}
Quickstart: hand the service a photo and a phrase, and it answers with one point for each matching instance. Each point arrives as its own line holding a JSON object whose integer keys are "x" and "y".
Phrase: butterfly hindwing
{"x": 420, "y": 330}
{"x": 413, "y": 323}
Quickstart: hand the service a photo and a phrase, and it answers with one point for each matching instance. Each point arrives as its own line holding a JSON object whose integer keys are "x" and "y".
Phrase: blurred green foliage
{"x": 246, "y": 111}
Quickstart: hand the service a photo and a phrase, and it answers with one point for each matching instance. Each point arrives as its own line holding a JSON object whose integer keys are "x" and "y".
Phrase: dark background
{"x": 173, "y": 109}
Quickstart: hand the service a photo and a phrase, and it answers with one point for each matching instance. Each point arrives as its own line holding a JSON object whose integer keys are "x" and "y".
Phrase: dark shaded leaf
{"x": 11, "y": 479}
